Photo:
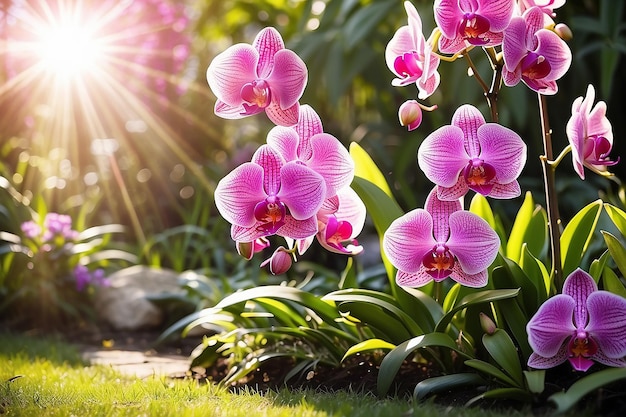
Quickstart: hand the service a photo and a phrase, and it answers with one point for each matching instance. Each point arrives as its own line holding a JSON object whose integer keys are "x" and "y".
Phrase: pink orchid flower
{"x": 410, "y": 57}
{"x": 340, "y": 220}
{"x": 471, "y": 22}
{"x": 534, "y": 55}
{"x": 307, "y": 143}
{"x": 270, "y": 196}
{"x": 441, "y": 240}
{"x": 472, "y": 154}
{"x": 546, "y": 6}
{"x": 590, "y": 134}
{"x": 580, "y": 325}
{"x": 248, "y": 79}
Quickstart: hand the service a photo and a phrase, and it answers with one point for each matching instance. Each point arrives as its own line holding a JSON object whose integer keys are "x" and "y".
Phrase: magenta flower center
{"x": 256, "y": 94}
{"x": 479, "y": 176}
{"x": 596, "y": 150}
{"x": 271, "y": 213}
{"x": 408, "y": 65}
{"x": 582, "y": 345}
{"x": 439, "y": 262}
{"x": 535, "y": 66}
{"x": 472, "y": 28}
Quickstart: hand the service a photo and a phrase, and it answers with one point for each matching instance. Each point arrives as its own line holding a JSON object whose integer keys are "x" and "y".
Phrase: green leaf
{"x": 503, "y": 351}
{"x": 536, "y": 272}
{"x": 480, "y": 206}
{"x": 566, "y": 400}
{"x": 473, "y": 299}
{"x": 368, "y": 345}
{"x": 365, "y": 168}
{"x": 597, "y": 266}
{"x": 618, "y": 216}
{"x": 446, "y": 382}
{"x": 535, "y": 381}
{"x": 577, "y": 235}
{"x": 361, "y": 23}
{"x": 492, "y": 370}
{"x": 393, "y": 360}
{"x": 530, "y": 227}
{"x": 612, "y": 283}
{"x": 517, "y": 394}
{"x": 516, "y": 321}
{"x": 617, "y": 251}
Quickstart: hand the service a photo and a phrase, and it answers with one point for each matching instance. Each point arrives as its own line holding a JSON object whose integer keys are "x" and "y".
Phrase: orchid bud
{"x": 248, "y": 249}
{"x": 279, "y": 262}
{"x": 563, "y": 31}
{"x": 410, "y": 114}
{"x": 487, "y": 324}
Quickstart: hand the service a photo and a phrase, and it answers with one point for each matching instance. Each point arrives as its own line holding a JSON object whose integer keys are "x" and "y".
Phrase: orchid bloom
{"x": 590, "y": 134}
{"x": 546, "y": 6}
{"x": 472, "y": 154}
{"x": 270, "y": 196}
{"x": 440, "y": 241}
{"x": 471, "y": 22}
{"x": 410, "y": 57}
{"x": 581, "y": 325}
{"x": 307, "y": 143}
{"x": 248, "y": 79}
{"x": 534, "y": 55}
{"x": 340, "y": 220}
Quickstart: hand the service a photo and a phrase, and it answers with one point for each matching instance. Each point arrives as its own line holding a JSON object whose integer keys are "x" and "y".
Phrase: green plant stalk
{"x": 552, "y": 208}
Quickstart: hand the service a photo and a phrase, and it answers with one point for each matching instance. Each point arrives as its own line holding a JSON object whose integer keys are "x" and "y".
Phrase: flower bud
{"x": 248, "y": 249}
{"x": 487, "y": 324}
{"x": 279, "y": 262}
{"x": 563, "y": 31}
{"x": 410, "y": 114}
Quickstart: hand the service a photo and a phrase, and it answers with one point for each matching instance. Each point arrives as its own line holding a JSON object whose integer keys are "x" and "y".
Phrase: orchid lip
{"x": 472, "y": 27}
{"x": 271, "y": 213}
{"x": 256, "y": 94}
{"x": 439, "y": 262}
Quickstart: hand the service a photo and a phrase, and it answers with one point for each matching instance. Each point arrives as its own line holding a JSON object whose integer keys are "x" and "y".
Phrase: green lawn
{"x": 46, "y": 377}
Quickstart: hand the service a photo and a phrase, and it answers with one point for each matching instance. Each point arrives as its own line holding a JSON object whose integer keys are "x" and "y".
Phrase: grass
{"x": 48, "y": 378}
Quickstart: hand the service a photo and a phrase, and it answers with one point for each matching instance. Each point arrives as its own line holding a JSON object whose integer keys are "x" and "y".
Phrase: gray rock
{"x": 124, "y": 305}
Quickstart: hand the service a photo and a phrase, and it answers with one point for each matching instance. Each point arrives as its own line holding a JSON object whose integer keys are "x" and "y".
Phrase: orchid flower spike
{"x": 590, "y": 134}
{"x": 248, "y": 79}
{"x": 269, "y": 196}
{"x": 467, "y": 23}
{"x": 581, "y": 325}
{"x": 410, "y": 57}
{"x": 472, "y": 154}
{"x": 534, "y": 55}
{"x": 441, "y": 240}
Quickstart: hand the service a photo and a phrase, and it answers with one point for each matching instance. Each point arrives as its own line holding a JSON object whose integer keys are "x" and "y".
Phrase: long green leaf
{"x": 618, "y": 216}
{"x": 474, "y": 299}
{"x": 503, "y": 351}
{"x": 492, "y": 370}
{"x": 393, "y": 360}
{"x": 365, "y": 168}
{"x": 517, "y": 394}
{"x": 566, "y": 400}
{"x": 368, "y": 346}
{"x": 446, "y": 382}
{"x": 577, "y": 235}
{"x": 617, "y": 251}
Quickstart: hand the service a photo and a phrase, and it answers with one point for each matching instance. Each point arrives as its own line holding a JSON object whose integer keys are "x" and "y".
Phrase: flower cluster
{"x": 297, "y": 184}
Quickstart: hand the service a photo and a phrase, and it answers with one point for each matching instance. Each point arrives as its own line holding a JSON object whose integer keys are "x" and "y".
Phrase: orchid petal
{"x": 498, "y": 12}
{"x": 288, "y": 78}
{"x": 598, "y": 124}
{"x": 298, "y": 229}
{"x": 440, "y": 211}
{"x": 272, "y": 162}
{"x": 506, "y": 191}
{"x": 285, "y": 141}
{"x": 247, "y": 234}
{"x": 309, "y": 125}
{"x": 540, "y": 362}
{"x": 447, "y": 16}
{"x": 551, "y": 325}
{"x": 555, "y": 51}
{"x": 230, "y": 70}
{"x": 579, "y": 285}
{"x": 604, "y": 359}
{"x": 468, "y": 118}
{"x": 474, "y": 243}
{"x": 503, "y": 149}
{"x": 268, "y": 42}
{"x": 575, "y": 130}
{"x": 282, "y": 117}
{"x": 352, "y": 209}
{"x": 442, "y": 155}
{"x": 408, "y": 239}
{"x": 607, "y": 322}
{"x": 332, "y": 161}
{"x": 415, "y": 279}
{"x": 478, "y": 280}
{"x": 302, "y": 190}
{"x": 237, "y": 194}
{"x": 455, "y": 192}
{"x": 401, "y": 42}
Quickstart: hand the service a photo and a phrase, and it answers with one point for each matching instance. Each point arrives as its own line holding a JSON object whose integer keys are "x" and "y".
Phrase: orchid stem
{"x": 475, "y": 73}
{"x": 496, "y": 83}
{"x": 559, "y": 158}
{"x": 554, "y": 221}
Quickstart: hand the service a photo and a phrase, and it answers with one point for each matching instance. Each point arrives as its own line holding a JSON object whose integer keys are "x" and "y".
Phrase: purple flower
{"x": 581, "y": 325}
{"x": 248, "y": 79}
{"x": 307, "y": 143}
{"x": 472, "y": 154}
{"x": 410, "y": 57}
{"x": 590, "y": 134}
{"x": 280, "y": 261}
{"x": 55, "y": 224}
{"x": 440, "y": 241}
{"x": 270, "y": 196}
{"x": 534, "y": 55}
{"x": 31, "y": 229}
{"x": 471, "y": 22}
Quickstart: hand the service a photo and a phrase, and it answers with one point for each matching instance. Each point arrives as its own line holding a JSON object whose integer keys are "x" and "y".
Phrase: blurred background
{"x": 105, "y": 113}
